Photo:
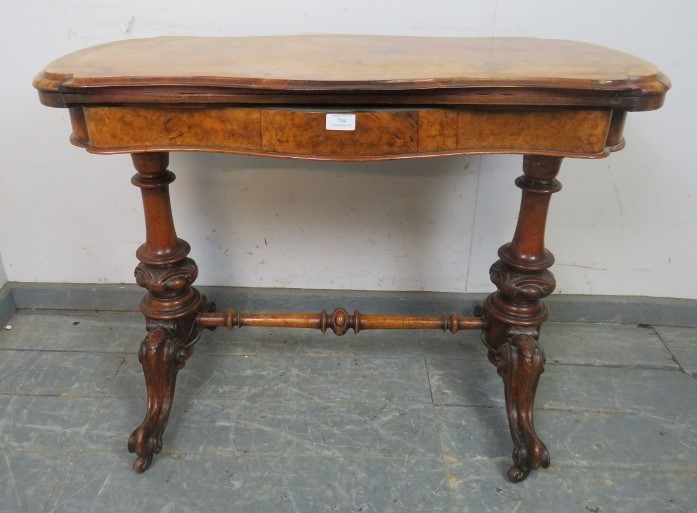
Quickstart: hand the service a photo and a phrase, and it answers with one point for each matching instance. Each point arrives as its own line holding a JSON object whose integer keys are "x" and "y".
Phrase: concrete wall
{"x": 623, "y": 225}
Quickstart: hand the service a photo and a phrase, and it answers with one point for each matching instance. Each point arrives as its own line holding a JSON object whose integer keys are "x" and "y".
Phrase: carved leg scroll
{"x": 520, "y": 361}
{"x": 161, "y": 355}
{"x": 170, "y": 305}
{"x": 515, "y": 312}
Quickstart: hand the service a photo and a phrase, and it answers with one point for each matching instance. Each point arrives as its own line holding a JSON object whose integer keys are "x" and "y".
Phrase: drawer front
{"x": 124, "y": 128}
{"x": 306, "y": 132}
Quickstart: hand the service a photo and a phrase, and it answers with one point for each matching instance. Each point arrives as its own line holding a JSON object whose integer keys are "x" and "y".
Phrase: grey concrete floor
{"x": 295, "y": 421}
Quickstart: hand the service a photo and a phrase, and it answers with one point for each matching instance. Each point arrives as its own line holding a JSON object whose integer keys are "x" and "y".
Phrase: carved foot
{"x": 520, "y": 361}
{"x": 162, "y": 354}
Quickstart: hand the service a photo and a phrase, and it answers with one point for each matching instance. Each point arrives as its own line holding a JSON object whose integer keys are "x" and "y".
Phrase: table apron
{"x": 378, "y": 133}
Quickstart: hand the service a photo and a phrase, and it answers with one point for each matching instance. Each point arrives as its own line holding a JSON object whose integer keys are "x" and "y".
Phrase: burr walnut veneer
{"x": 356, "y": 98}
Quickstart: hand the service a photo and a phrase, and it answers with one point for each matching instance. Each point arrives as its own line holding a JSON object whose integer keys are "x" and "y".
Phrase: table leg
{"x": 515, "y": 312}
{"x": 170, "y": 305}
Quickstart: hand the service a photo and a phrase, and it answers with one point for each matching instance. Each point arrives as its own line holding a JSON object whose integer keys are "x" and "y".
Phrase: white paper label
{"x": 341, "y": 122}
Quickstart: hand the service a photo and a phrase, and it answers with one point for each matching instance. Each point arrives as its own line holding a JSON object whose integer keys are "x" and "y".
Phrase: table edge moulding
{"x": 350, "y": 98}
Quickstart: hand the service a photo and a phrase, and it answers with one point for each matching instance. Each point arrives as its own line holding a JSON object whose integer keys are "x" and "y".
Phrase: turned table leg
{"x": 515, "y": 312}
{"x": 170, "y": 305}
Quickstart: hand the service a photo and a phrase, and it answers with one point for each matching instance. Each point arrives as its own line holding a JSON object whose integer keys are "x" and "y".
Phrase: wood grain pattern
{"x": 376, "y": 133}
{"x": 437, "y": 130}
{"x": 365, "y": 63}
{"x": 379, "y": 133}
{"x": 558, "y": 131}
{"x": 132, "y": 128}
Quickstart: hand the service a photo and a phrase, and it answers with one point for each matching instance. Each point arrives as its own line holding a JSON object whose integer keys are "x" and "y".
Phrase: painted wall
{"x": 623, "y": 225}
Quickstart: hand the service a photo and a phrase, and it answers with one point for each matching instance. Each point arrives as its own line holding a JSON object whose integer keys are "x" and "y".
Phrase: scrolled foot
{"x": 529, "y": 454}
{"x": 537, "y": 453}
{"x": 539, "y": 457}
{"x": 520, "y": 361}
{"x": 145, "y": 442}
{"x": 517, "y": 473}
{"x": 141, "y": 464}
{"x": 162, "y": 354}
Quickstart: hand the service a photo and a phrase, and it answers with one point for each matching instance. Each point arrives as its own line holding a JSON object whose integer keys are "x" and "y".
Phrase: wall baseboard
{"x": 7, "y": 303}
{"x": 563, "y": 308}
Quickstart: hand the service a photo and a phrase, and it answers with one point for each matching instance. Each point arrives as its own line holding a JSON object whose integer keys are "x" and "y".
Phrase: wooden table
{"x": 352, "y": 98}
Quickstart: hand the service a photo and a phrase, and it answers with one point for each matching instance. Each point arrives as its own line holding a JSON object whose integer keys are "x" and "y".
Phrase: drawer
{"x": 370, "y": 133}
